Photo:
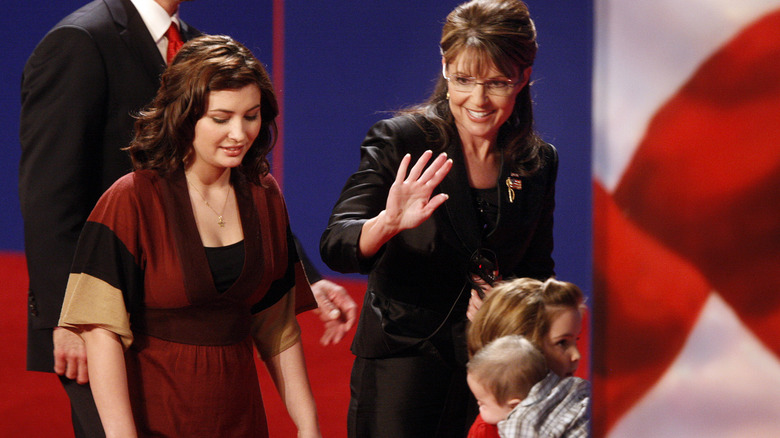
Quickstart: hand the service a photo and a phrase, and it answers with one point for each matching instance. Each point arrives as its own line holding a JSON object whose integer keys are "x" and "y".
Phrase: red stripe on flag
{"x": 647, "y": 299}
{"x": 705, "y": 181}
{"x": 696, "y": 210}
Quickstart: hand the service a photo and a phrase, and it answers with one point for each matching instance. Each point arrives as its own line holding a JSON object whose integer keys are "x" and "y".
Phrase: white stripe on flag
{"x": 645, "y": 50}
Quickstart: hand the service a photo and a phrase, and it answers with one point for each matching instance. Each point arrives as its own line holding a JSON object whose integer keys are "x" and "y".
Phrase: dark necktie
{"x": 174, "y": 42}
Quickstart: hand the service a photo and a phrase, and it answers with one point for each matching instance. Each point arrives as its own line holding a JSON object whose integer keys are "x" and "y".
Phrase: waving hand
{"x": 409, "y": 201}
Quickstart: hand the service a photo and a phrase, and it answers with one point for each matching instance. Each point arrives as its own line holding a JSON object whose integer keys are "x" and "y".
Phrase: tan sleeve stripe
{"x": 275, "y": 329}
{"x": 92, "y": 301}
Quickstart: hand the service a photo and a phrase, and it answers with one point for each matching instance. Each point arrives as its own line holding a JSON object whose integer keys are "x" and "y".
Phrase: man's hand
{"x": 70, "y": 355}
{"x": 336, "y": 309}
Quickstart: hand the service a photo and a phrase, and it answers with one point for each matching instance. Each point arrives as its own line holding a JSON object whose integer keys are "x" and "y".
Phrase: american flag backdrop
{"x": 686, "y": 335}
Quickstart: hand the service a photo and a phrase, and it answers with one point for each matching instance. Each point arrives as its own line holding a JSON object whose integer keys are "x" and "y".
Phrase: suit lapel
{"x": 460, "y": 206}
{"x": 136, "y": 36}
{"x": 188, "y": 32}
{"x": 508, "y": 212}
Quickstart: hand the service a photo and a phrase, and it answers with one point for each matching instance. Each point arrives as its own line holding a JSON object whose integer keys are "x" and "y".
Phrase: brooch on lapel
{"x": 513, "y": 182}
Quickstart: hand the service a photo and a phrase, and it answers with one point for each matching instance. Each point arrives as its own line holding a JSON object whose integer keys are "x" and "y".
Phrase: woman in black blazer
{"x": 495, "y": 182}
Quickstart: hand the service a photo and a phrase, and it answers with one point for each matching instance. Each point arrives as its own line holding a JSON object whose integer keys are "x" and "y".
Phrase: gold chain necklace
{"x": 220, "y": 219}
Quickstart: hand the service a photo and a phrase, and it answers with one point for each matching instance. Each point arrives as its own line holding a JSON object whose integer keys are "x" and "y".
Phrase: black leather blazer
{"x": 419, "y": 276}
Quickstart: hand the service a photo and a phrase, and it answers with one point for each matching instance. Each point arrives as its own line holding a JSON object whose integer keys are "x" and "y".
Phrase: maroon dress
{"x": 141, "y": 271}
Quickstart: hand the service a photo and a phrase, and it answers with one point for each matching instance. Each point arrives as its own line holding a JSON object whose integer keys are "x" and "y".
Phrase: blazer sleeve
{"x": 311, "y": 271}
{"x": 63, "y": 95}
{"x": 363, "y": 197}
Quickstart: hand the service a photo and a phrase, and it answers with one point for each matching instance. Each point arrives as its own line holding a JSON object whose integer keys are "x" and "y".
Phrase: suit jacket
{"x": 80, "y": 87}
{"x": 418, "y": 280}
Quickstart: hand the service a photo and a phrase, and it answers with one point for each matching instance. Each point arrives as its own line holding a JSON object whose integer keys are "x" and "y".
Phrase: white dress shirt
{"x": 157, "y": 22}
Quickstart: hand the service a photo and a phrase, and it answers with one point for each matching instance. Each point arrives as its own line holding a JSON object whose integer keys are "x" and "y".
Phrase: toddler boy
{"x": 516, "y": 390}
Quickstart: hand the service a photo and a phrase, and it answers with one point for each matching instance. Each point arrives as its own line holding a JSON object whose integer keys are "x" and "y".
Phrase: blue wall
{"x": 24, "y": 24}
{"x": 347, "y": 65}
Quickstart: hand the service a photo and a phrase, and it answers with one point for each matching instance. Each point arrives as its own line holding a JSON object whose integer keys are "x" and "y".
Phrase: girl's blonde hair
{"x": 522, "y": 306}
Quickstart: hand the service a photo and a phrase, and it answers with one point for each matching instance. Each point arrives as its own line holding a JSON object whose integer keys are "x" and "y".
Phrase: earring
{"x": 448, "y": 95}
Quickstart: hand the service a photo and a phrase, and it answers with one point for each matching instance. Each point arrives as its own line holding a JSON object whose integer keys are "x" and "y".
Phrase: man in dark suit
{"x": 80, "y": 87}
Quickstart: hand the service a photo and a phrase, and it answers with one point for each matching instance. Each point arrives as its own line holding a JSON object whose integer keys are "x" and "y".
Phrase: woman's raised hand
{"x": 409, "y": 201}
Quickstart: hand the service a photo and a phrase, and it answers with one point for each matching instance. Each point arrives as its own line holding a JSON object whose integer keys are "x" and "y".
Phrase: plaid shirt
{"x": 555, "y": 407}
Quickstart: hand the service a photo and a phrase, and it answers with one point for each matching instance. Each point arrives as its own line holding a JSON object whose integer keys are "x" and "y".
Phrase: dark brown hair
{"x": 500, "y": 32}
{"x": 164, "y": 131}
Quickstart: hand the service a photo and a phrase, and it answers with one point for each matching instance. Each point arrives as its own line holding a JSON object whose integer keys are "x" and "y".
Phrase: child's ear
{"x": 514, "y": 402}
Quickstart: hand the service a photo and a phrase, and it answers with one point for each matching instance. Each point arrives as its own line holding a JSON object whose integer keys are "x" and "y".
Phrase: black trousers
{"x": 418, "y": 394}
{"x": 84, "y": 414}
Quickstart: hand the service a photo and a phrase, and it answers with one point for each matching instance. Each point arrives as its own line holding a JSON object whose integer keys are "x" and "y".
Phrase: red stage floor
{"x": 35, "y": 405}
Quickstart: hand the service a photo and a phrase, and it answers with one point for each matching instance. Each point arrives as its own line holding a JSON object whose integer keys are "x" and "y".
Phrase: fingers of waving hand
{"x": 433, "y": 174}
{"x": 436, "y": 172}
{"x": 404, "y": 167}
{"x": 417, "y": 170}
{"x": 409, "y": 202}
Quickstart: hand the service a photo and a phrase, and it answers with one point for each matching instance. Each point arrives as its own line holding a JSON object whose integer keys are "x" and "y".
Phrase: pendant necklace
{"x": 220, "y": 219}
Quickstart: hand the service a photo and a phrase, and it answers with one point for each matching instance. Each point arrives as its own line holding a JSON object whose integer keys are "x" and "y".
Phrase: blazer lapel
{"x": 460, "y": 206}
{"x": 509, "y": 213}
{"x": 136, "y": 36}
{"x": 188, "y": 32}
